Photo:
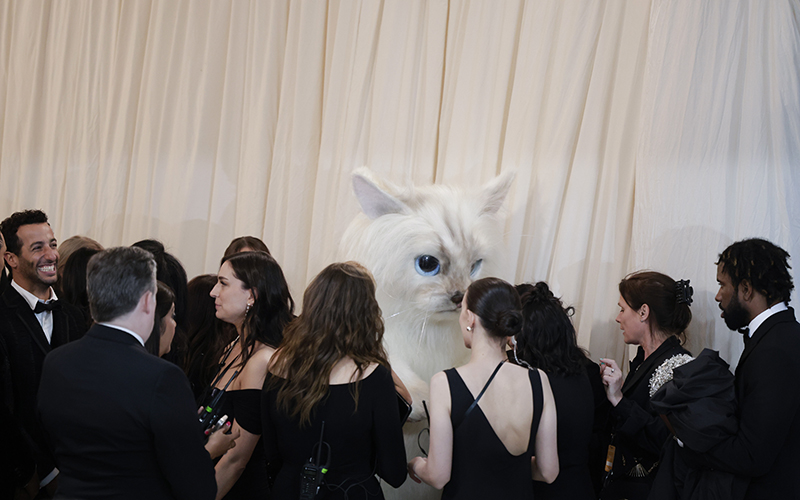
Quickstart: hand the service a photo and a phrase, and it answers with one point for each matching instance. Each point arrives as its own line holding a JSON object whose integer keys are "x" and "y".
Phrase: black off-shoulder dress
{"x": 364, "y": 442}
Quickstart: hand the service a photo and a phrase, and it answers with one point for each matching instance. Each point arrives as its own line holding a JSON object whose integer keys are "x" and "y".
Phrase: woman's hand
{"x": 414, "y": 461}
{"x": 220, "y": 441}
{"x": 612, "y": 379}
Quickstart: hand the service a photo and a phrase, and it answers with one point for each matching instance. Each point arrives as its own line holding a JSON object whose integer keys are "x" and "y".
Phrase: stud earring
{"x": 469, "y": 328}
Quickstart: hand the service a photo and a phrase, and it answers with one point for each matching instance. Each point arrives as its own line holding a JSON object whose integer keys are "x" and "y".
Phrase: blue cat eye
{"x": 427, "y": 265}
{"x": 476, "y": 267}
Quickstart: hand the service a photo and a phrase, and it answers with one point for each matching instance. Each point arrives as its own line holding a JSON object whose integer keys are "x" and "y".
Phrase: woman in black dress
{"x": 488, "y": 416}
{"x": 330, "y": 393}
{"x": 251, "y": 293}
{"x": 654, "y": 314}
{"x": 547, "y": 342}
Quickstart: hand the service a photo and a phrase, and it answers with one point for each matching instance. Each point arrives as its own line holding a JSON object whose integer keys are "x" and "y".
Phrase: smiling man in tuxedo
{"x": 754, "y": 291}
{"x": 32, "y": 323}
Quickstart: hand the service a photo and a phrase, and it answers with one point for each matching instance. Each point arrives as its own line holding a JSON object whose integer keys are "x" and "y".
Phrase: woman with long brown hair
{"x": 251, "y": 294}
{"x": 330, "y": 391}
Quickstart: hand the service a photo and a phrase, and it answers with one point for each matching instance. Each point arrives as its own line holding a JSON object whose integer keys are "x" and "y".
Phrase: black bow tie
{"x": 745, "y": 335}
{"x": 46, "y": 306}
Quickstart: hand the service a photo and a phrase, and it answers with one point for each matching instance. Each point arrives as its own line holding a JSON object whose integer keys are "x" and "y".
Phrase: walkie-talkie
{"x": 210, "y": 413}
{"x": 314, "y": 471}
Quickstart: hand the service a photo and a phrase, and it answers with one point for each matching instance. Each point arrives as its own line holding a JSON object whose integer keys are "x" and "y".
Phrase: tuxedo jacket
{"x": 122, "y": 422}
{"x": 766, "y": 447}
{"x": 22, "y": 352}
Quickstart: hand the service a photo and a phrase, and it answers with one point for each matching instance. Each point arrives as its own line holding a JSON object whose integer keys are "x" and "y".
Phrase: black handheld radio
{"x": 314, "y": 471}
{"x": 210, "y": 413}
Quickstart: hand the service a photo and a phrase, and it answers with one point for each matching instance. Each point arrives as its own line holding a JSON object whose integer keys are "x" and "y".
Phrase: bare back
{"x": 507, "y": 403}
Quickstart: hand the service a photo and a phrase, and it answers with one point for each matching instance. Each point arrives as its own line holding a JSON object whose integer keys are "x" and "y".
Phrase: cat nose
{"x": 457, "y": 297}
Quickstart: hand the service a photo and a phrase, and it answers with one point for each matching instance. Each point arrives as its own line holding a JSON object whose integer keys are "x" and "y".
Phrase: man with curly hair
{"x": 755, "y": 286}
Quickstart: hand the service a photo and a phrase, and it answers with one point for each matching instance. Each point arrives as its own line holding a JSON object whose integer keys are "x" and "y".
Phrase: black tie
{"x": 46, "y": 306}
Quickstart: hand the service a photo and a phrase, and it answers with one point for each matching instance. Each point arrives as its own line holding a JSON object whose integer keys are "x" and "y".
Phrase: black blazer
{"x": 24, "y": 349}
{"x": 639, "y": 433}
{"x": 765, "y": 448}
{"x": 122, "y": 422}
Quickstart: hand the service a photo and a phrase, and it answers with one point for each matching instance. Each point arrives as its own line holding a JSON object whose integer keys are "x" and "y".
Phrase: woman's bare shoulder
{"x": 255, "y": 370}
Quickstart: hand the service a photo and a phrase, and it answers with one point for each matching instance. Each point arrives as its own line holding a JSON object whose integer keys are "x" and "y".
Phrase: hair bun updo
{"x": 497, "y": 305}
{"x": 509, "y": 323}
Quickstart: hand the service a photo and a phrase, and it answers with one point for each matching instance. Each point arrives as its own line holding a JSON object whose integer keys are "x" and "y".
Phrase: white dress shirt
{"x": 45, "y": 318}
{"x": 761, "y": 318}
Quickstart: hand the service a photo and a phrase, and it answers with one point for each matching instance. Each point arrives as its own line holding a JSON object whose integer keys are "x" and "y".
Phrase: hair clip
{"x": 683, "y": 292}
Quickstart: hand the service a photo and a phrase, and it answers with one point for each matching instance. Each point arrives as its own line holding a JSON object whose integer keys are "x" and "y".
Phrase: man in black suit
{"x": 122, "y": 422}
{"x": 3, "y": 274}
{"x": 754, "y": 291}
{"x": 32, "y": 323}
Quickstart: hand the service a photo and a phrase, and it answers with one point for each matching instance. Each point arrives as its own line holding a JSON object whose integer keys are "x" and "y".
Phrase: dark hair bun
{"x": 681, "y": 317}
{"x": 541, "y": 292}
{"x": 509, "y": 323}
{"x": 497, "y": 305}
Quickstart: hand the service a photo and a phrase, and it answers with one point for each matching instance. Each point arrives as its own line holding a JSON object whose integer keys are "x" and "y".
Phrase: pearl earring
{"x": 247, "y": 309}
{"x": 469, "y": 328}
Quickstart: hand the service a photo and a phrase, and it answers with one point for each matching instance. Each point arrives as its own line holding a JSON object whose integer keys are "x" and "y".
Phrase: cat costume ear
{"x": 374, "y": 200}
{"x": 495, "y": 192}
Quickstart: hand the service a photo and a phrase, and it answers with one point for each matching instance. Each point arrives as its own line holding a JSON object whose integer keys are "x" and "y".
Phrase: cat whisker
{"x": 400, "y": 312}
{"x": 422, "y": 335}
{"x": 523, "y": 235}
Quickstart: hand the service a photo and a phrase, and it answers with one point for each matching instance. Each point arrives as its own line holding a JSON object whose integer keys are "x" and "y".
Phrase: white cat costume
{"x": 424, "y": 245}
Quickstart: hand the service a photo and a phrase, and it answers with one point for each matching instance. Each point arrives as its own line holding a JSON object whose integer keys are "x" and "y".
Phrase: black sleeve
{"x": 247, "y": 405}
{"x": 648, "y": 431}
{"x": 767, "y": 411}
{"x": 602, "y": 406}
{"x": 16, "y": 464}
{"x": 177, "y": 438}
{"x": 269, "y": 436}
{"x": 388, "y": 432}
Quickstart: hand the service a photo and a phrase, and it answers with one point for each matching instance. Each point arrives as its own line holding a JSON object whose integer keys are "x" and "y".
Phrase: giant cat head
{"x": 425, "y": 245}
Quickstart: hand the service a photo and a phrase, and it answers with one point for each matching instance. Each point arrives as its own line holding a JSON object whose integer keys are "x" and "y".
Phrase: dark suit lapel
{"x": 60, "y": 328}
{"x": 20, "y": 307}
{"x": 761, "y": 332}
{"x": 649, "y": 364}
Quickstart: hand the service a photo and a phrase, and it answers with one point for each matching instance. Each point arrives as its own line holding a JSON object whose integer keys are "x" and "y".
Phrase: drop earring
{"x": 247, "y": 309}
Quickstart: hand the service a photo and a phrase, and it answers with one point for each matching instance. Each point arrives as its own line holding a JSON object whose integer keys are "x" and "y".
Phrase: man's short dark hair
{"x": 763, "y": 264}
{"x": 10, "y": 226}
{"x": 116, "y": 279}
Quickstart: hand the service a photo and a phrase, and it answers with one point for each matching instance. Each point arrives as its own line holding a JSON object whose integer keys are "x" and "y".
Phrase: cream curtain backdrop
{"x": 644, "y": 134}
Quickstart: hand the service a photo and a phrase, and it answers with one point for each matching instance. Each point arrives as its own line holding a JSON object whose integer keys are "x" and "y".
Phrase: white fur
{"x": 457, "y": 226}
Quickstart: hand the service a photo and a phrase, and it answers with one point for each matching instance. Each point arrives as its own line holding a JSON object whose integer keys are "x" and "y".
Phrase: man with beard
{"x": 32, "y": 323}
{"x": 3, "y": 275}
{"x": 754, "y": 291}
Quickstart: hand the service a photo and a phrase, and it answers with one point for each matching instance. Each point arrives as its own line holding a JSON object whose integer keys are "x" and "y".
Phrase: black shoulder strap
{"x": 538, "y": 405}
{"x": 475, "y": 403}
